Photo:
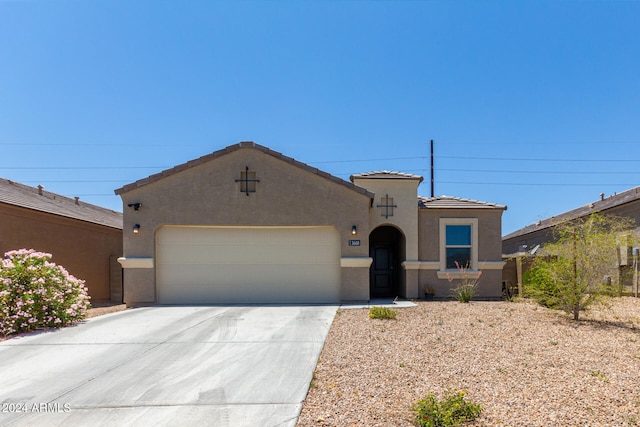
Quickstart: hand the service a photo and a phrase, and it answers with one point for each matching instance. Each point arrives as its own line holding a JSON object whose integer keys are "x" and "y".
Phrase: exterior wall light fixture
{"x": 354, "y": 230}
{"x": 135, "y": 206}
{"x": 136, "y": 229}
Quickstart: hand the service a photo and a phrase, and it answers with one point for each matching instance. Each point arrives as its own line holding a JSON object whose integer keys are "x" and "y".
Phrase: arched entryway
{"x": 386, "y": 247}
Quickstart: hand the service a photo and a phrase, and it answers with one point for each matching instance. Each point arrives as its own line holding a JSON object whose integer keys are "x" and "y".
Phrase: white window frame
{"x": 445, "y": 273}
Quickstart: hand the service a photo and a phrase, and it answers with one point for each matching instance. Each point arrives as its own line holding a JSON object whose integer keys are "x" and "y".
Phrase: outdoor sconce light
{"x": 136, "y": 229}
{"x": 354, "y": 230}
{"x": 135, "y": 206}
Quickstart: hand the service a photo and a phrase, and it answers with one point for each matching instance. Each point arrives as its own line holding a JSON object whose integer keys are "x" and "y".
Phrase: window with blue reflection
{"x": 458, "y": 246}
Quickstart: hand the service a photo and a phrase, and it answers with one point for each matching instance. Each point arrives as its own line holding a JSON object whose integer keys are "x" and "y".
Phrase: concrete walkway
{"x": 181, "y": 366}
{"x": 383, "y": 302}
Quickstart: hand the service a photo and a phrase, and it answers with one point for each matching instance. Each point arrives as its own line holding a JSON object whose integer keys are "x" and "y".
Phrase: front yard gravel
{"x": 526, "y": 365}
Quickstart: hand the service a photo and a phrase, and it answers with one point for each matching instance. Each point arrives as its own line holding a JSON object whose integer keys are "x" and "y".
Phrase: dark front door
{"x": 382, "y": 271}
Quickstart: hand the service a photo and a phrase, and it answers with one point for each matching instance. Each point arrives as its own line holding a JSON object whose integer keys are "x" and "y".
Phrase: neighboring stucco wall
{"x": 538, "y": 237}
{"x": 83, "y": 248}
{"x": 527, "y": 242}
{"x": 207, "y": 194}
{"x": 489, "y": 250}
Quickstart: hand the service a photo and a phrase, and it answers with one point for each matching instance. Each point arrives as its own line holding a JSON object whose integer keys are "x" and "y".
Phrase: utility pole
{"x": 433, "y": 193}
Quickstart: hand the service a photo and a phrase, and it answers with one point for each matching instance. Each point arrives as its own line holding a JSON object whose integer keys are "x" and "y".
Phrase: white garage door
{"x": 200, "y": 265}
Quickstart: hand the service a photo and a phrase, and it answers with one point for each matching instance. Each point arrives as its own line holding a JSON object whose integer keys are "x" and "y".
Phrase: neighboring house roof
{"x": 35, "y": 198}
{"x": 235, "y": 147}
{"x": 450, "y": 202}
{"x": 384, "y": 174}
{"x": 598, "y": 206}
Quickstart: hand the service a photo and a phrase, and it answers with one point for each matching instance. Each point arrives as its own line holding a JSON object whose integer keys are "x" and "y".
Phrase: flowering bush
{"x": 36, "y": 293}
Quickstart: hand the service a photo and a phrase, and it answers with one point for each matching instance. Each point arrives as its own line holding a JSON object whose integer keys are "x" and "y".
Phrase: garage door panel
{"x": 237, "y": 254}
{"x": 248, "y": 264}
{"x": 229, "y": 235}
{"x": 227, "y": 294}
{"x": 255, "y": 274}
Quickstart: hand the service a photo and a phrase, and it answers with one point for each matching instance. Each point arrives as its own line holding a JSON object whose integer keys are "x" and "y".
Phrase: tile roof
{"x": 35, "y": 198}
{"x": 598, "y": 206}
{"x": 385, "y": 174}
{"x": 235, "y": 147}
{"x": 450, "y": 202}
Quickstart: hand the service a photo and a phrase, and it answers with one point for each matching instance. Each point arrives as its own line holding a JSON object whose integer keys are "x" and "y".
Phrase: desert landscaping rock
{"x": 525, "y": 364}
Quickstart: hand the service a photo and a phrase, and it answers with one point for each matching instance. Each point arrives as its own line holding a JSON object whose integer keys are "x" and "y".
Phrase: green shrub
{"x": 571, "y": 269}
{"x": 465, "y": 292}
{"x": 539, "y": 284}
{"x": 36, "y": 293}
{"x": 453, "y": 410}
{"x": 382, "y": 313}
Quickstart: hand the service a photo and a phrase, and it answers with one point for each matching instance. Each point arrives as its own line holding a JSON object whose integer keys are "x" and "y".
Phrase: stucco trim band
{"x": 136, "y": 262}
{"x": 421, "y": 265}
{"x": 490, "y": 265}
{"x": 357, "y": 262}
{"x": 455, "y": 274}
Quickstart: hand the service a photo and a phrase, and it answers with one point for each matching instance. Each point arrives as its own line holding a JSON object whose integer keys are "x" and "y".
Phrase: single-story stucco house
{"x": 84, "y": 238}
{"x": 246, "y": 224}
{"x": 519, "y": 246}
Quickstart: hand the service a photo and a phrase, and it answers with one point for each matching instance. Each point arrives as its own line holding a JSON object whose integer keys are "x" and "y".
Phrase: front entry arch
{"x": 386, "y": 247}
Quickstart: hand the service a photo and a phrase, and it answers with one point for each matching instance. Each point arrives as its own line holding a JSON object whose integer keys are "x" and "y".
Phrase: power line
{"x": 538, "y": 172}
{"x": 518, "y": 184}
{"x": 81, "y": 167}
{"x": 89, "y": 145}
{"x": 369, "y": 160}
{"x": 513, "y": 159}
{"x": 534, "y": 184}
{"x": 444, "y": 143}
{"x": 510, "y": 159}
{"x": 75, "y": 181}
{"x": 537, "y": 143}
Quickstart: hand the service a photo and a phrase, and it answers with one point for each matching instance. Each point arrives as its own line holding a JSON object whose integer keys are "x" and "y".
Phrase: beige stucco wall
{"x": 207, "y": 194}
{"x": 404, "y": 192}
{"x": 83, "y": 248}
{"x": 288, "y": 194}
{"x": 489, "y": 250}
{"x": 405, "y": 216}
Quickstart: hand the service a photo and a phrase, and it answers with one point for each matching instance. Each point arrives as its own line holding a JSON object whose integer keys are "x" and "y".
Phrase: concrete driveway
{"x": 218, "y": 366}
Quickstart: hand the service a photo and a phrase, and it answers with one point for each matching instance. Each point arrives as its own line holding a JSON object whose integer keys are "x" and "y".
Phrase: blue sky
{"x": 531, "y": 104}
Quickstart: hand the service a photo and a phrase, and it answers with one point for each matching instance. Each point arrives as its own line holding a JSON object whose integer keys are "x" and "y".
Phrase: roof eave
{"x": 232, "y": 148}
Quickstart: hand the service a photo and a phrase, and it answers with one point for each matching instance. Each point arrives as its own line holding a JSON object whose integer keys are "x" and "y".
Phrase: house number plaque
{"x": 354, "y": 242}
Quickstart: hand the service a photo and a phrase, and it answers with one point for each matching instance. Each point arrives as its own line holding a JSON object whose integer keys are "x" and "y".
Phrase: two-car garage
{"x": 237, "y": 264}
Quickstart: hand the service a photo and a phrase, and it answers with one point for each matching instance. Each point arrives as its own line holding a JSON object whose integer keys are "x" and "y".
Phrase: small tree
{"x": 570, "y": 273}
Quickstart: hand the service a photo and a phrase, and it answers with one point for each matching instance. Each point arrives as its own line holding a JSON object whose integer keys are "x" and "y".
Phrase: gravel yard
{"x": 527, "y": 365}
